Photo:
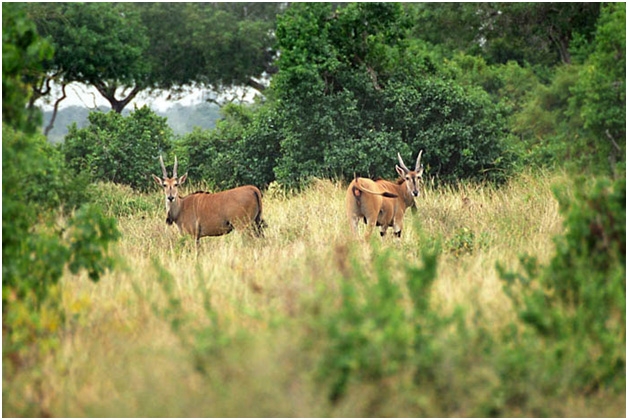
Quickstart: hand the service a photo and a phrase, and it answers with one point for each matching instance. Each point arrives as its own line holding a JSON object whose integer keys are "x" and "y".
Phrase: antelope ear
{"x": 183, "y": 178}
{"x": 400, "y": 171}
{"x": 157, "y": 180}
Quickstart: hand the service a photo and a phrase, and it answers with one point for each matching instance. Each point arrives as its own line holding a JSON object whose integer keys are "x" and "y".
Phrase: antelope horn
{"x": 163, "y": 167}
{"x": 403, "y": 165}
{"x": 418, "y": 161}
{"x": 174, "y": 170}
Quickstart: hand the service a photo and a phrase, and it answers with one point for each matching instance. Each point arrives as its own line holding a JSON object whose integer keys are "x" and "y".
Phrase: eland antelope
{"x": 383, "y": 203}
{"x": 205, "y": 214}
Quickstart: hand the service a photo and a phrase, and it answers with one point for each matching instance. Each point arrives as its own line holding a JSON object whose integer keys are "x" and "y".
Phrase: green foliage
{"x": 36, "y": 246}
{"x": 578, "y": 118}
{"x": 77, "y": 30}
{"x": 599, "y": 95}
{"x": 156, "y": 45}
{"x": 241, "y": 150}
{"x": 577, "y": 303}
{"x": 371, "y": 335}
{"x": 532, "y": 33}
{"x": 119, "y": 149}
{"x": 214, "y": 44}
{"x": 34, "y": 188}
{"x": 346, "y": 60}
{"x": 22, "y": 54}
{"x": 34, "y": 250}
{"x": 551, "y": 136}
{"x": 89, "y": 241}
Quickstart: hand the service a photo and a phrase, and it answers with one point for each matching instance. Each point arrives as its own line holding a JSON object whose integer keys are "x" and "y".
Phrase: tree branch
{"x": 55, "y": 110}
{"x": 612, "y": 139}
{"x": 256, "y": 85}
{"x": 109, "y": 93}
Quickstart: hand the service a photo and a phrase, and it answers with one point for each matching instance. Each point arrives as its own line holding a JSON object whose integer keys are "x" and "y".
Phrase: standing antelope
{"x": 205, "y": 214}
{"x": 383, "y": 203}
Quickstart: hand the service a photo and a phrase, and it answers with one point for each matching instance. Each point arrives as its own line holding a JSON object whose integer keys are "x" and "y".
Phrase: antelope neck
{"x": 174, "y": 208}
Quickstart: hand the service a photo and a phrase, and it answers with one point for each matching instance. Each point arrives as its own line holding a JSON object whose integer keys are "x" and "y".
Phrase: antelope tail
{"x": 383, "y": 194}
{"x": 259, "y": 223}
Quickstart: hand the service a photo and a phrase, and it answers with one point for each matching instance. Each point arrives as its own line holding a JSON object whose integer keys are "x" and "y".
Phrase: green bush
{"x": 577, "y": 303}
{"x": 370, "y": 335}
{"x": 599, "y": 95}
{"x": 242, "y": 149}
{"x": 23, "y": 52}
{"x": 37, "y": 245}
{"x": 464, "y": 241}
{"x": 119, "y": 149}
{"x": 350, "y": 94}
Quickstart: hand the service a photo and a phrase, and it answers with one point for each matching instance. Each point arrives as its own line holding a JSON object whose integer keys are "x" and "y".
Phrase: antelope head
{"x": 170, "y": 185}
{"x": 414, "y": 177}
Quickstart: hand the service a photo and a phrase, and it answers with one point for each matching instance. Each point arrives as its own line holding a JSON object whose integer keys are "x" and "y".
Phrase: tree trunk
{"x": 51, "y": 124}
{"x": 109, "y": 93}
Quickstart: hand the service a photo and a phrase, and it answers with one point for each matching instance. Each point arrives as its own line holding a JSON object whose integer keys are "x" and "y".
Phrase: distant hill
{"x": 182, "y": 119}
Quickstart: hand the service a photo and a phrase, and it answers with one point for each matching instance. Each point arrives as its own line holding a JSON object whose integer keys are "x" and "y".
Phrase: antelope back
{"x": 413, "y": 178}
{"x": 215, "y": 214}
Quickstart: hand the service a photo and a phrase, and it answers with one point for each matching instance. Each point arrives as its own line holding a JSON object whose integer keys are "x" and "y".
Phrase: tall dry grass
{"x": 120, "y": 355}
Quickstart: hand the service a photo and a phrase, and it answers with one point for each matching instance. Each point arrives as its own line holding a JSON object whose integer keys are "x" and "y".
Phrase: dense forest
{"x": 501, "y": 98}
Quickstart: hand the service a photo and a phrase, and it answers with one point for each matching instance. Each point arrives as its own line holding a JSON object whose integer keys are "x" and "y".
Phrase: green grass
{"x": 240, "y": 330}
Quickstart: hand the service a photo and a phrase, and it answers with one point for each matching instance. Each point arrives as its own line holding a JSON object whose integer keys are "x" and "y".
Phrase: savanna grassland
{"x": 308, "y": 321}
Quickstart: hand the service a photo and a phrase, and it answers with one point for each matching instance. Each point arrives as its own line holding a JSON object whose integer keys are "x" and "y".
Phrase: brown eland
{"x": 383, "y": 203}
{"x": 205, "y": 214}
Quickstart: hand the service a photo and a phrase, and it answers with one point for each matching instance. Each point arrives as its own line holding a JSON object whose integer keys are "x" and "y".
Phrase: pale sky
{"x": 88, "y": 97}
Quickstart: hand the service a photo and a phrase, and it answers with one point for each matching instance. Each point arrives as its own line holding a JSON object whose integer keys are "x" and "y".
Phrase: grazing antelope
{"x": 383, "y": 203}
{"x": 205, "y": 214}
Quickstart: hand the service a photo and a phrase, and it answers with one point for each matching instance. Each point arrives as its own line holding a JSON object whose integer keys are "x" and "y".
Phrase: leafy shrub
{"x": 242, "y": 149}
{"x": 36, "y": 248}
{"x": 119, "y": 149}
{"x": 599, "y": 95}
{"x": 347, "y": 103}
{"x": 577, "y": 118}
{"x": 577, "y": 303}
{"x": 23, "y": 52}
{"x": 370, "y": 335}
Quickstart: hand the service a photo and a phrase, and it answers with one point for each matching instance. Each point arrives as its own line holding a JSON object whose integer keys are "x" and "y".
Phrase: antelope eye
{"x": 164, "y": 184}
{"x": 176, "y": 184}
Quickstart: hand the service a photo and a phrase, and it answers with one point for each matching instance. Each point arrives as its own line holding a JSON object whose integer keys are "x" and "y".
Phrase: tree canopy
{"x": 480, "y": 87}
{"x": 122, "y": 49}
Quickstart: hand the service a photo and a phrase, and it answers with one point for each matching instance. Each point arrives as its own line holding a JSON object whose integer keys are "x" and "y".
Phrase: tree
{"x": 104, "y": 150}
{"x": 99, "y": 44}
{"x": 599, "y": 96}
{"x": 533, "y": 33}
{"x": 210, "y": 44}
{"x": 155, "y": 45}
{"x": 352, "y": 92}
